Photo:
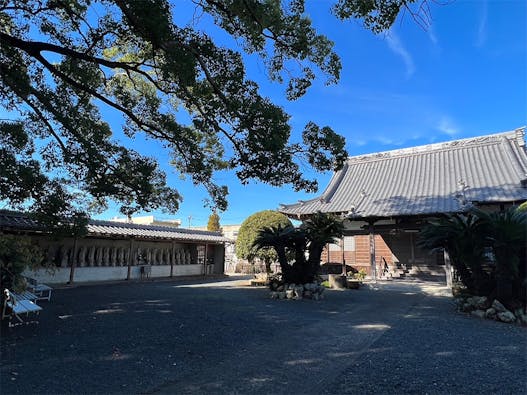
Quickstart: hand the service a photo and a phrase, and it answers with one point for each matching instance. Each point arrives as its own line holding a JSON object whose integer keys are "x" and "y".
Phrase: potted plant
{"x": 356, "y": 281}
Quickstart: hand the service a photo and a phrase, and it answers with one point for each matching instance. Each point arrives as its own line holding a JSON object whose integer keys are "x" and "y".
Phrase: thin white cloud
{"x": 395, "y": 44}
{"x": 432, "y": 34}
{"x": 447, "y": 126}
{"x": 358, "y": 142}
{"x": 388, "y": 141}
{"x": 482, "y": 26}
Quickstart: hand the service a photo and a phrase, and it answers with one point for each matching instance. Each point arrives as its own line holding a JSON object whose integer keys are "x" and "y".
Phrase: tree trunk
{"x": 504, "y": 291}
{"x": 315, "y": 252}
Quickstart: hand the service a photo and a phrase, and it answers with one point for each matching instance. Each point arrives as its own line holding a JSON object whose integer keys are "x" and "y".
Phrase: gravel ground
{"x": 219, "y": 337}
{"x": 437, "y": 351}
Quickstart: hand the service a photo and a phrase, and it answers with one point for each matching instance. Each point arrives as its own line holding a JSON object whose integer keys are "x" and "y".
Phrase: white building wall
{"x": 87, "y": 274}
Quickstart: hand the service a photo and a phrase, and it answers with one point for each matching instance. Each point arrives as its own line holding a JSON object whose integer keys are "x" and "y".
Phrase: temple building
{"x": 119, "y": 251}
{"x": 386, "y": 197}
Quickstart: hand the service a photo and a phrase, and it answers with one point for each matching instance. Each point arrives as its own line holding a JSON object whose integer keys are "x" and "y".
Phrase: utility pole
{"x": 189, "y": 219}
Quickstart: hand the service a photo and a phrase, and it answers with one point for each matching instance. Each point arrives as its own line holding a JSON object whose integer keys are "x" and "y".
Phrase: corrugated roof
{"x": 20, "y": 221}
{"x": 429, "y": 179}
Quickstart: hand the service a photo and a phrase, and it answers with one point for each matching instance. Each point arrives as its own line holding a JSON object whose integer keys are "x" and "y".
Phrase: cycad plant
{"x": 291, "y": 244}
{"x": 321, "y": 229}
{"x": 277, "y": 237}
{"x": 463, "y": 236}
{"x": 507, "y": 234}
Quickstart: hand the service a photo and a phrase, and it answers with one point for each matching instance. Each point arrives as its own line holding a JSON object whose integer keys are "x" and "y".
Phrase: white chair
{"x": 20, "y": 310}
{"x": 42, "y": 291}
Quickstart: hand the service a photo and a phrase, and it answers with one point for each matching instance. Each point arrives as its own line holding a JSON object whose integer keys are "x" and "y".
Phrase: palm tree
{"x": 297, "y": 242}
{"x": 276, "y": 237}
{"x": 311, "y": 236}
{"x": 321, "y": 229}
{"x": 507, "y": 233}
{"x": 463, "y": 237}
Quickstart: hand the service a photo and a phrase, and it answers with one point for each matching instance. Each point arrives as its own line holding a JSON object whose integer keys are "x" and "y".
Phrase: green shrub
{"x": 470, "y": 239}
{"x": 249, "y": 230}
{"x": 16, "y": 254}
{"x": 360, "y": 275}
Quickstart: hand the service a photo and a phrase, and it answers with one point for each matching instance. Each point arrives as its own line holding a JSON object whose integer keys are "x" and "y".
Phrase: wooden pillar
{"x": 373, "y": 265}
{"x": 172, "y": 257}
{"x": 130, "y": 259}
{"x": 412, "y": 249}
{"x": 205, "y": 266}
{"x": 448, "y": 269}
{"x": 73, "y": 260}
{"x": 343, "y": 260}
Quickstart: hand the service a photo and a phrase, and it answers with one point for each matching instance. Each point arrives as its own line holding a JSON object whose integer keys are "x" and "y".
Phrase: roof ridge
{"x": 162, "y": 228}
{"x": 516, "y": 134}
{"x": 97, "y": 222}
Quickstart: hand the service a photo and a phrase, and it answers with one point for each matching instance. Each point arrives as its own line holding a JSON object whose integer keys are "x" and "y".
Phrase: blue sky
{"x": 464, "y": 76}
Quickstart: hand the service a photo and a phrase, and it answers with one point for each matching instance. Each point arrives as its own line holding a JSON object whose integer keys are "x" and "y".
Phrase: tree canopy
{"x": 66, "y": 65}
{"x": 246, "y": 246}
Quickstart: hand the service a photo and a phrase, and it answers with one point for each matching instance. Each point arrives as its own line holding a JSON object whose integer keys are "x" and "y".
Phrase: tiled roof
{"x": 20, "y": 221}
{"x": 430, "y": 179}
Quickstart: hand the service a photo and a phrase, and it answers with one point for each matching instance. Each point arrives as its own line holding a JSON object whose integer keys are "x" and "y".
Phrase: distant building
{"x": 149, "y": 220}
{"x": 230, "y": 232}
{"x": 115, "y": 250}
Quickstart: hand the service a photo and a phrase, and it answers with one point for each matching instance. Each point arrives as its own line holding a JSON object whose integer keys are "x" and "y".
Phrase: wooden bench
{"x": 21, "y": 310}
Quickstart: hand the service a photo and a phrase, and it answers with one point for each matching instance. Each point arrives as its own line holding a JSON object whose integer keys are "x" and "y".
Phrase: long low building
{"x": 119, "y": 251}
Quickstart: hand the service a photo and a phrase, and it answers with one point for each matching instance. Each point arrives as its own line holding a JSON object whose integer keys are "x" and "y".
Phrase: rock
{"x": 291, "y": 286}
{"x": 289, "y": 294}
{"x": 490, "y": 313}
{"x": 498, "y": 306}
{"x": 521, "y": 316}
{"x": 299, "y": 291}
{"x": 321, "y": 289}
{"x": 467, "y": 307}
{"x": 459, "y": 302}
{"x": 281, "y": 295}
{"x": 307, "y": 286}
{"x": 506, "y": 316}
{"x": 274, "y": 295}
{"x": 479, "y": 302}
{"x": 471, "y": 300}
{"x": 478, "y": 313}
{"x": 280, "y": 288}
{"x": 308, "y": 294}
{"x": 316, "y": 296}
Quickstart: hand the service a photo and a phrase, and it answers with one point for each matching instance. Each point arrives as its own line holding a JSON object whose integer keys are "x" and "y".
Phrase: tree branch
{"x": 34, "y": 48}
